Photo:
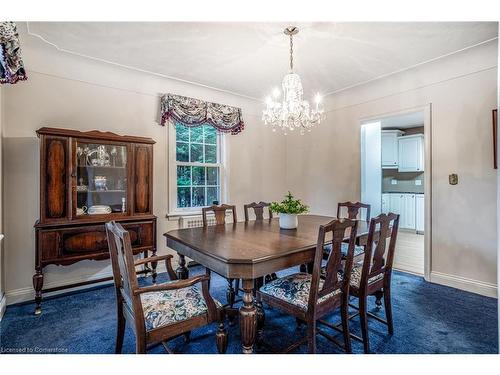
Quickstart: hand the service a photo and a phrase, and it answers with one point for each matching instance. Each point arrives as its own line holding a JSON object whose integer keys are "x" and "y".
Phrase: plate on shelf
{"x": 99, "y": 210}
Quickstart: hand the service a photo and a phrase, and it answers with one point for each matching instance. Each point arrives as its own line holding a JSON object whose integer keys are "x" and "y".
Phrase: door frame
{"x": 427, "y": 109}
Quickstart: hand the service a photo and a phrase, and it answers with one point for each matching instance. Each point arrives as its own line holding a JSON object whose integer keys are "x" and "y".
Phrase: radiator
{"x": 197, "y": 221}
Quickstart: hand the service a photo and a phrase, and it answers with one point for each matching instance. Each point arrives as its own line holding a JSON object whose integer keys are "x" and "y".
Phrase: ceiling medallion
{"x": 292, "y": 112}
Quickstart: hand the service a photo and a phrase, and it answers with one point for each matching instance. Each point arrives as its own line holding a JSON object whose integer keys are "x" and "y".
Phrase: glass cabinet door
{"x": 101, "y": 179}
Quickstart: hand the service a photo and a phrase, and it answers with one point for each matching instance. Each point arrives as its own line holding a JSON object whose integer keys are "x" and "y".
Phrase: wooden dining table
{"x": 248, "y": 251}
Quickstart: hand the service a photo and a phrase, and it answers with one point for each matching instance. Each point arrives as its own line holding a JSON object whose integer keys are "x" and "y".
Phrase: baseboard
{"x": 28, "y": 294}
{"x": 3, "y": 305}
{"x": 463, "y": 283}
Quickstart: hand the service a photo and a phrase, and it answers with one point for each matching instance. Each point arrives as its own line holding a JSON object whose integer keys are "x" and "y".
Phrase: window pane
{"x": 210, "y": 154}
{"x": 183, "y": 176}
{"x": 181, "y": 133}
{"x": 198, "y": 196}
{"x": 196, "y": 153}
{"x": 197, "y": 134}
{"x": 183, "y": 197}
{"x": 212, "y": 195}
{"x": 182, "y": 152}
{"x": 198, "y": 175}
{"x": 212, "y": 176}
{"x": 210, "y": 135}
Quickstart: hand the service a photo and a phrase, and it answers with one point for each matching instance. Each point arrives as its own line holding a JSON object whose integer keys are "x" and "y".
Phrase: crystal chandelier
{"x": 292, "y": 112}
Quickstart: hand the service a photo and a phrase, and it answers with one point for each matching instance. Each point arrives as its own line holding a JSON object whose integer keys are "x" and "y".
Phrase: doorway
{"x": 395, "y": 177}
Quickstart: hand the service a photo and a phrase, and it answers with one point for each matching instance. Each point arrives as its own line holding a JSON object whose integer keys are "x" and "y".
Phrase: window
{"x": 196, "y": 167}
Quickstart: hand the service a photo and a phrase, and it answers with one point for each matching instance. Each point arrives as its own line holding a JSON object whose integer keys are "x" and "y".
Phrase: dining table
{"x": 248, "y": 251}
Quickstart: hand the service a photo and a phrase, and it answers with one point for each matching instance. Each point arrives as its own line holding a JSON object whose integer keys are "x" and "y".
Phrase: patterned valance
{"x": 194, "y": 112}
{"x": 11, "y": 63}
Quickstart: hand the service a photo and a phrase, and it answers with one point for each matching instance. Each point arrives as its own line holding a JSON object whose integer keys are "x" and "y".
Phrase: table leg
{"x": 182, "y": 271}
{"x": 248, "y": 317}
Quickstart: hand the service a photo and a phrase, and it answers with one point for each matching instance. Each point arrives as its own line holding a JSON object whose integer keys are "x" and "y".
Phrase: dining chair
{"x": 258, "y": 209}
{"x": 159, "y": 312}
{"x": 353, "y": 212}
{"x": 373, "y": 277}
{"x": 220, "y": 213}
{"x": 310, "y": 297}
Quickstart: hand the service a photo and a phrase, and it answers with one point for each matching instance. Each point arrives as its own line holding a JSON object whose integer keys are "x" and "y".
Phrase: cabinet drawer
{"x": 77, "y": 241}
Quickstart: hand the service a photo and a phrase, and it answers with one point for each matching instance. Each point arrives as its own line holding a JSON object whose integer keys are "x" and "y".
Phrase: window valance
{"x": 192, "y": 112}
{"x": 11, "y": 63}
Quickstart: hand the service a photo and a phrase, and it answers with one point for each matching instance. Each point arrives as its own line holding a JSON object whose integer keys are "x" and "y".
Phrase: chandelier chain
{"x": 291, "y": 53}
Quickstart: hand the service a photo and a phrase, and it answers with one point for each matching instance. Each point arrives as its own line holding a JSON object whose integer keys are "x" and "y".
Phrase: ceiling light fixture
{"x": 292, "y": 112}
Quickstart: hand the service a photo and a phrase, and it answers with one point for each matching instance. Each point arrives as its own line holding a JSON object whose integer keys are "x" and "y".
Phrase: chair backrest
{"x": 353, "y": 209}
{"x": 378, "y": 258}
{"x": 336, "y": 230}
{"x": 122, "y": 260}
{"x": 219, "y": 212}
{"x": 258, "y": 209}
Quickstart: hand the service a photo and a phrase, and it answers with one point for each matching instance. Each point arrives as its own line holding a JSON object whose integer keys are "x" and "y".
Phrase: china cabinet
{"x": 87, "y": 179}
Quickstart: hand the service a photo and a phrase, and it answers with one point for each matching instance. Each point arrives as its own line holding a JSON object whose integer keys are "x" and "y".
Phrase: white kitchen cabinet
{"x": 386, "y": 204}
{"x": 396, "y": 203}
{"x": 411, "y": 153}
{"x": 404, "y": 204}
{"x": 390, "y": 148}
{"x": 419, "y": 212}
{"x": 407, "y": 218}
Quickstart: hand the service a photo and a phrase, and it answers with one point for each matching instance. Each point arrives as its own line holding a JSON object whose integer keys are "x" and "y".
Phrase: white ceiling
{"x": 403, "y": 121}
{"x": 250, "y": 59}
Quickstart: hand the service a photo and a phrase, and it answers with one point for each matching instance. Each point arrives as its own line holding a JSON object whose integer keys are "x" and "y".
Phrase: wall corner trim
{"x": 463, "y": 283}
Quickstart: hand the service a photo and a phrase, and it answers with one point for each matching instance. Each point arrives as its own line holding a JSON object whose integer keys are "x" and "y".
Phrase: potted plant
{"x": 288, "y": 210}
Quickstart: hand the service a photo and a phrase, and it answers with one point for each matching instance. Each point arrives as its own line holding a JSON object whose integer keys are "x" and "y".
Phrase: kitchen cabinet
{"x": 419, "y": 212}
{"x": 396, "y": 203}
{"x": 390, "y": 148}
{"x": 409, "y": 206}
{"x": 411, "y": 153}
{"x": 407, "y": 219}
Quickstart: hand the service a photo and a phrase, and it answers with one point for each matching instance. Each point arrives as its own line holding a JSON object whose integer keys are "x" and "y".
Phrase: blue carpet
{"x": 428, "y": 318}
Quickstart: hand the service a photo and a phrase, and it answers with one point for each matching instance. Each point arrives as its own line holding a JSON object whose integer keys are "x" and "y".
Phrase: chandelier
{"x": 292, "y": 112}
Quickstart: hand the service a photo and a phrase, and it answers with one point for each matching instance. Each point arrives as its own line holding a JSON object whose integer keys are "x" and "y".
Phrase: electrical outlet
{"x": 394, "y": 182}
{"x": 418, "y": 182}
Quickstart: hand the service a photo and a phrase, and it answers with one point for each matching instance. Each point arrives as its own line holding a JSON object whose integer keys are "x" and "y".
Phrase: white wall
{"x": 324, "y": 167}
{"x": 72, "y": 92}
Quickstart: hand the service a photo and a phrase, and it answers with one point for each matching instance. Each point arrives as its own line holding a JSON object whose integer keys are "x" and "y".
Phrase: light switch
{"x": 394, "y": 182}
{"x": 418, "y": 182}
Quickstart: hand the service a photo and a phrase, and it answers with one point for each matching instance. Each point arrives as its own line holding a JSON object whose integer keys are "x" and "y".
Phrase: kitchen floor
{"x": 409, "y": 255}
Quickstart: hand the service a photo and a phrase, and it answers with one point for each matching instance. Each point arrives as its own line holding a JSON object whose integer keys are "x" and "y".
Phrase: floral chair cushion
{"x": 356, "y": 277}
{"x": 294, "y": 289}
{"x": 171, "y": 306}
{"x": 358, "y": 250}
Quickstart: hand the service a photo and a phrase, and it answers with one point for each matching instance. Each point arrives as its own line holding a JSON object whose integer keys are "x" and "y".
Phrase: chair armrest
{"x": 168, "y": 263}
{"x": 178, "y": 284}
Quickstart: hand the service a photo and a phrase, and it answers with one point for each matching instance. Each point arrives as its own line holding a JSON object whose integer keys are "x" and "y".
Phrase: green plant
{"x": 289, "y": 206}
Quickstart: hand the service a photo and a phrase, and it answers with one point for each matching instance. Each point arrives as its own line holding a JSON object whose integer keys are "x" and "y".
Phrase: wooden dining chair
{"x": 220, "y": 213}
{"x": 353, "y": 213}
{"x": 354, "y": 210}
{"x": 258, "y": 209}
{"x": 160, "y": 312}
{"x": 373, "y": 277}
{"x": 310, "y": 297}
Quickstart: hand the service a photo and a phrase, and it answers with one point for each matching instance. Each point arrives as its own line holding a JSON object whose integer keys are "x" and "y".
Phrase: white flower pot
{"x": 288, "y": 221}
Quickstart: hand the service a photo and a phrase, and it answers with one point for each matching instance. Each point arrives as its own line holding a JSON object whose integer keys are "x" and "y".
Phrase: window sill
{"x": 178, "y": 214}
